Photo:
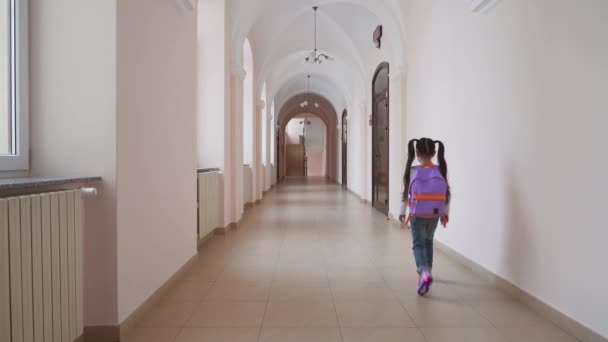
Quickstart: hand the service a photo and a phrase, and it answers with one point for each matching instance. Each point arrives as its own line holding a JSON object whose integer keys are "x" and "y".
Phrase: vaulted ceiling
{"x": 281, "y": 36}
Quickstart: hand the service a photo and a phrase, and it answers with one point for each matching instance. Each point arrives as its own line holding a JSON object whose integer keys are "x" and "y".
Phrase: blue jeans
{"x": 423, "y": 233}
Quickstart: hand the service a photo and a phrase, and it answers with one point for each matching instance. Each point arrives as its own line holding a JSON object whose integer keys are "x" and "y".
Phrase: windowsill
{"x": 208, "y": 170}
{"x": 28, "y": 184}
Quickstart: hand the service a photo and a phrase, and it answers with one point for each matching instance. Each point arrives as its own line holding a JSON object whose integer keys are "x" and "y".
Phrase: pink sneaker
{"x": 424, "y": 284}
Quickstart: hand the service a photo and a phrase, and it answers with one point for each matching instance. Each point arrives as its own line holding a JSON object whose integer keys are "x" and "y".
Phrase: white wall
{"x": 156, "y": 155}
{"x": 73, "y": 126}
{"x": 357, "y": 142}
{"x": 212, "y": 64}
{"x": 519, "y": 97}
{"x": 248, "y": 105}
{"x": 5, "y": 131}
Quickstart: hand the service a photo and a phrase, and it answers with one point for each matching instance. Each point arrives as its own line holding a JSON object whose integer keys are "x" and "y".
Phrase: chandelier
{"x": 307, "y": 102}
{"x": 315, "y": 57}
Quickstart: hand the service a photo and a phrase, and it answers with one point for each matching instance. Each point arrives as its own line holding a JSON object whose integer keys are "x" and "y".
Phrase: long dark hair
{"x": 425, "y": 147}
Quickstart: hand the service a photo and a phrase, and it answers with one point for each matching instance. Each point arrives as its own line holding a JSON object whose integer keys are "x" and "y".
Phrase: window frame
{"x": 20, "y": 86}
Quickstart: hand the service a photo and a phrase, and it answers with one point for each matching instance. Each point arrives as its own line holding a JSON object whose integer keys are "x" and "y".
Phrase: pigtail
{"x": 443, "y": 166}
{"x": 411, "y": 155}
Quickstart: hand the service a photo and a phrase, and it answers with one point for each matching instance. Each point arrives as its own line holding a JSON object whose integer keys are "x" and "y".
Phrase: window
{"x": 14, "y": 139}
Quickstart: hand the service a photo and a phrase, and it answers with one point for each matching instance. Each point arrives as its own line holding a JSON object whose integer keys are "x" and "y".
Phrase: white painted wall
{"x": 156, "y": 156}
{"x": 518, "y": 96}
{"x": 315, "y": 135}
{"x": 248, "y": 105}
{"x": 5, "y": 130}
{"x": 212, "y": 64}
{"x": 73, "y": 126}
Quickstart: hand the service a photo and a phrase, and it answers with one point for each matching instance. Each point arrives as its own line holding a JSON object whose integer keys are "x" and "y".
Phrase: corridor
{"x": 312, "y": 263}
{"x": 150, "y": 152}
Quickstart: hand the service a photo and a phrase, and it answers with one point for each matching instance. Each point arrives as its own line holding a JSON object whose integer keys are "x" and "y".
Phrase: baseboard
{"x": 363, "y": 200}
{"x": 225, "y": 230}
{"x": 204, "y": 240}
{"x": 128, "y": 326}
{"x": 101, "y": 334}
{"x": 566, "y": 323}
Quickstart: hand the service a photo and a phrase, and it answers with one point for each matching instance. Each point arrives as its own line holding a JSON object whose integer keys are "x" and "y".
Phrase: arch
{"x": 328, "y": 115}
{"x": 315, "y": 131}
{"x": 380, "y": 138}
{"x": 319, "y": 84}
{"x": 388, "y": 12}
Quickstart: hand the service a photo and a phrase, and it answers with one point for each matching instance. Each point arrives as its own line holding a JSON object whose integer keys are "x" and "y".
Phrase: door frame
{"x": 375, "y": 100}
{"x": 344, "y": 149}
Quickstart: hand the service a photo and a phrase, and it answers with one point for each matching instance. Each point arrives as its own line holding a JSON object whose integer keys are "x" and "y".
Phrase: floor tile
{"x": 169, "y": 314}
{"x": 218, "y": 335}
{"x": 385, "y": 314}
{"x": 228, "y": 314}
{"x": 463, "y": 335}
{"x": 382, "y": 335}
{"x": 543, "y": 332}
{"x": 300, "y": 314}
{"x": 190, "y": 289}
{"x": 238, "y": 291}
{"x": 428, "y": 312}
{"x": 153, "y": 335}
{"x": 300, "y": 291}
{"x": 361, "y": 291}
{"x": 508, "y": 314}
{"x": 300, "y": 335}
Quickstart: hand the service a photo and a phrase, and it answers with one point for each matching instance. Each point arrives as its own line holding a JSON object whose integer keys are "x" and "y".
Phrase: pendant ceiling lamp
{"x": 307, "y": 102}
{"x": 315, "y": 57}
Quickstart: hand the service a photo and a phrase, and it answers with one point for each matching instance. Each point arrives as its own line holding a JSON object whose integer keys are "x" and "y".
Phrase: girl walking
{"x": 427, "y": 196}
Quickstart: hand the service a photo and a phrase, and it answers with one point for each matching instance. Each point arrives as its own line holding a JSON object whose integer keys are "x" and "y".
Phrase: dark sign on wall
{"x": 378, "y": 36}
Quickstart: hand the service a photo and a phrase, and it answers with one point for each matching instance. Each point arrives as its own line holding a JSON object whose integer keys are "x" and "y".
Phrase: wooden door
{"x": 344, "y": 150}
{"x": 380, "y": 139}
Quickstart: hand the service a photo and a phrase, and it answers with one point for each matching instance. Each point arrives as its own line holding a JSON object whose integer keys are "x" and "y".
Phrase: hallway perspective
{"x": 312, "y": 263}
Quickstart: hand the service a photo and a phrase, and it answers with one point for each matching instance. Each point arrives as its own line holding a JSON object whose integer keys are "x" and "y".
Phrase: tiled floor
{"x": 311, "y": 263}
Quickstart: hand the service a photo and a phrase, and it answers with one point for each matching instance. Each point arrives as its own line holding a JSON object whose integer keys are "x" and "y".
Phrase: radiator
{"x": 263, "y": 183}
{"x": 41, "y": 267}
{"x": 210, "y": 186}
{"x": 248, "y": 184}
{"x": 274, "y": 174}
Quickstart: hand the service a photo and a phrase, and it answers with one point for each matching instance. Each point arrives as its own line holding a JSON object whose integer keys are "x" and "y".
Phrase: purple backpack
{"x": 427, "y": 193}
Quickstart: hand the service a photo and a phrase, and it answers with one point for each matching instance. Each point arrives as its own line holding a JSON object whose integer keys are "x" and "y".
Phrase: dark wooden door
{"x": 380, "y": 139}
{"x": 344, "y": 149}
{"x": 278, "y": 154}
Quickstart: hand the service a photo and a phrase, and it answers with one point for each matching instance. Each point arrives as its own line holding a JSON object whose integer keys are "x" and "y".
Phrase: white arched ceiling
{"x": 319, "y": 84}
{"x": 281, "y": 32}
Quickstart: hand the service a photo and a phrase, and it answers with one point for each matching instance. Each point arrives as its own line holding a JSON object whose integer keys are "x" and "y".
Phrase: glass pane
{"x": 6, "y": 118}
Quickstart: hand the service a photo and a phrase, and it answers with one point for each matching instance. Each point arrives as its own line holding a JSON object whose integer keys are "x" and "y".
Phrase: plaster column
{"x": 238, "y": 75}
{"x": 260, "y": 105}
{"x": 397, "y": 138}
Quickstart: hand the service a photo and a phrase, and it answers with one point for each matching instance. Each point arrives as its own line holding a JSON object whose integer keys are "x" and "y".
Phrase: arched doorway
{"x": 344, "y": 149}
{"x": 324, "y": 110}
{"x": 380, "y": 139}
{"x": 306, "y": 146}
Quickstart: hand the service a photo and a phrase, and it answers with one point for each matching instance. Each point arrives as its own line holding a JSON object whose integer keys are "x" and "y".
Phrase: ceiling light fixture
{"x": 315, "y": 57}
{"x": 307, "y": 102}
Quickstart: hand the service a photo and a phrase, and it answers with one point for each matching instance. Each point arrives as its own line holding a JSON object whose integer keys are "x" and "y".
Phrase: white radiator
{"x": 274, "y": 174}
{"x": 264, "y": 180}
{"x": 210, "y": 186}
{"x": 41, "y": 267}
{"x": 248, "y": 184}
